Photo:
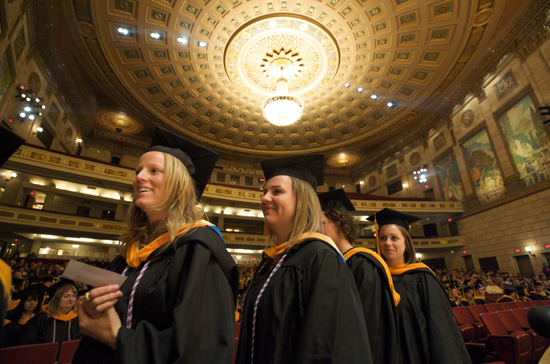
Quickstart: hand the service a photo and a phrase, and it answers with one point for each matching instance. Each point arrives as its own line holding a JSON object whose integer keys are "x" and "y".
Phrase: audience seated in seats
{"x": 455, "y": 296}
{"x": 509, "y": 294}
{"x": 468, "y": 299}
{"x": 29, "y": 305}
{"x": 479, "y": 297}
{"x": 492, "y": 288}
{"x": 59, "y": 323}
{"x": 538, "y": 294}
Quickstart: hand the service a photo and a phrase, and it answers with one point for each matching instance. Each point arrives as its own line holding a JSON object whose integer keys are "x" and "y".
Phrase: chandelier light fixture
{"x": 282, "y": 109}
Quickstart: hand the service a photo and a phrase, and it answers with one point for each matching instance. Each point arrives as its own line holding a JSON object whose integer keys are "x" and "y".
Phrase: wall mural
{"x": 449, "y": 177}
{"x": 527, "y": 141}
{"x": 483, "y": 168}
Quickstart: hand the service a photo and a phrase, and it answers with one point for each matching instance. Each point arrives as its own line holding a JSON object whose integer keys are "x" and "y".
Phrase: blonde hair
{"x": 307, "y": 218}
{"x": 53, "y": 305}
{"x": 180, "y": 201}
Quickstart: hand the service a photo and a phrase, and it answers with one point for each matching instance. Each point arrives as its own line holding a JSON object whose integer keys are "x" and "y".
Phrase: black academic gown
{"x": 40, "y": 329}
{"x": 310, "y": 311}
{"x": 534, "y": 296}
{"x": 481, "y": 300}
{"x": 505, "y": 298}
{"x": 428, "y": 333}
{"x": 184, "y": 306}
{"x": 378, "y": 304}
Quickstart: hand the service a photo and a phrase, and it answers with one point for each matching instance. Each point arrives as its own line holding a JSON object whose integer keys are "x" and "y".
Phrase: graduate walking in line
{"x": 428, "y": 332}
{"x": 178, "y": 302}
{"x": 371, "y": 273}
{"x": 302, "y": 305}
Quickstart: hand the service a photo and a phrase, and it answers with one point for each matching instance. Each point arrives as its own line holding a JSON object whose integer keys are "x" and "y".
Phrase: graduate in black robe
{"x": 538, "y": 294}
{"x": 479, "y": 297}
{"x": 371, "y": 274}
{"x": 183, "y": 282}
{"x": 58, "y": 323}
{"x": 428, "y": 332}
{"x": 468, "y": 299}
{"x": 509, "y": 294}
{"x": 302, "y": 305}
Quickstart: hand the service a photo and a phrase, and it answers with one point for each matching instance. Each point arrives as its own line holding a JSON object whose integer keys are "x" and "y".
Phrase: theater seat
{"x": 546, "y": 303}
{"x": 536, "y": 303}
{"x": 463, "y": 316}
{"x": 523, "y": 304}
{"x": 508, "y": 305}
{"x": 512, "y": 348}
{"x": 476, "y": 311}
{"x": 538, "y": 343}
{"x": 25, "y": 354}
{"x": 68, "y": 348}
{"x": 493, "y": 307}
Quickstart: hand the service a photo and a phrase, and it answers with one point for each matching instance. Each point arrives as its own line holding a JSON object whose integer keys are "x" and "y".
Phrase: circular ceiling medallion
{"x": 414, "y": 159}
{"x": 468, "y": 118}
{"x": 119, "y": 122}
{"x": 297, "y": 49}
{"x": 33, "y": 82}
{"x": 372, "y": 181}
{"x": 483, "y": 17}
{"x": 343, "y": 160}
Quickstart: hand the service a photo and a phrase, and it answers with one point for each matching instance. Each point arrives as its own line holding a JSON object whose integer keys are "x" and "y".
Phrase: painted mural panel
{"x": 527, "y": 141}
{"x": 483, "y": 168}
{"x": 449, "y": 177}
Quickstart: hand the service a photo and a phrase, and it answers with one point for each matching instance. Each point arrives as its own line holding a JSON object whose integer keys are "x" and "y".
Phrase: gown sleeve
{"x": 333, "y": 327}
{"x": 203, "y": 328}
{"x": 34, "y": 331}
{"x": 444, "y": 339}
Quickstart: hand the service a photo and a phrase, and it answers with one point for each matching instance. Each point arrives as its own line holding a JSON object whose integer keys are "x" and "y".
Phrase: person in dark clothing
{"x": 538, "y": 294}
{"x": 479, "y": 297}
{"x": 509, "y": 294}
{"x": 302, "y": 305}
{"x": 58, "y": 323}
{"x": 468, "y": 299}
{"x": 178, "y": 302}
{"x": 425, "y": 317}
{"x": 29, "y": 305}
{"x": 371, "y": 274}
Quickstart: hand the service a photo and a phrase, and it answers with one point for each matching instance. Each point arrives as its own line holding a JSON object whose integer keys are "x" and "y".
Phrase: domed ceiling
{"x": 367, "y": 71}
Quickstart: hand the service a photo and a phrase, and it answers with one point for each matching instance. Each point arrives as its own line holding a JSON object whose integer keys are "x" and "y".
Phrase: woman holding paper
{"x": 178, "y": 301}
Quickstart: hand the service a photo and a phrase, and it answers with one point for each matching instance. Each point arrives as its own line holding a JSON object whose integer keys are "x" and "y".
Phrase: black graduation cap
{"x": 455, "y": 286}
{"x": 509, "y": 287}
{"x": 198, "y": 160}
{"x": 478, "y": 285}
{"x": 537, "y": 284}
{"x": 309, "y": 168}
{"x": 62, "y": 283}
{"x": 336, "y": 199}
{"x": 389, "y": 216}
{"x": 10, "y": 143}
{"x": 467, "y": 289}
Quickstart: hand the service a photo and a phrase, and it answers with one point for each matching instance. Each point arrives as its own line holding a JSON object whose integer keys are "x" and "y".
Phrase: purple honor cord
{"x": 133, "y": 293}
{"x": 258, "y": 301}
{"x": 68, "y": 330}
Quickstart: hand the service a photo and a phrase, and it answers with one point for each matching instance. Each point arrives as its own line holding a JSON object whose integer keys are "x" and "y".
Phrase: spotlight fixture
{"x": 155, "y": 35}
{"x": 374, "y": 96}
{"x": 346, "y": 85}
{"x": 360, "y": 90}
{"x": 38, "y": 130}
{"x": 392, "y": 104}
{"x": 202, "y": 44}
{"x": 182, "y": 40}
{"x": 79, "y": 140}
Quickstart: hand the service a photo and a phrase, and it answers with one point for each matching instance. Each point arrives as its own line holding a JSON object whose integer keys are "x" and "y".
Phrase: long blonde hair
{"x": 308, "y": 213}
{"x": 53, "y": 305}
{"x": 180, "y": 201}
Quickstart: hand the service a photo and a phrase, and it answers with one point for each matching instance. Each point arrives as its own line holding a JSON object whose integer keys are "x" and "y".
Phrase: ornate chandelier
{"x": 282, "y": 109}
